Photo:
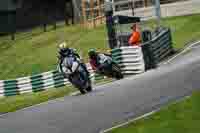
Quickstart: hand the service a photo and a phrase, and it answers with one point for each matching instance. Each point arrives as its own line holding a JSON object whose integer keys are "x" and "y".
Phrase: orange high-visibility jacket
{"x": 135, "y": 38}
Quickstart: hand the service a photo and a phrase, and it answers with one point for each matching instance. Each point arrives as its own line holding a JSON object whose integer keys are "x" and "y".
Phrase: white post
{"x": 158, "y": 12}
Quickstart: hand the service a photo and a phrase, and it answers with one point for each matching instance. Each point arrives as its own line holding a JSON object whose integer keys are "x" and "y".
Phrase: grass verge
{"x": 37, "y": 54}
{"x": 13, "y": 103}
{"x": 181, "y": 117}
{"x": 184, "y": 29}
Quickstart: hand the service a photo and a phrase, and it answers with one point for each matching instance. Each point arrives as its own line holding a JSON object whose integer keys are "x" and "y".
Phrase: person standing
{"x": 135, "y": 38}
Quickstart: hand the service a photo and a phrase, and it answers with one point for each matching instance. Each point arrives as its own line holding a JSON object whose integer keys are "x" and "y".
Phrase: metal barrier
{"x": 158, "y": 48}
{"x": 38, "y": 82}
{"x": 130, "y": 59}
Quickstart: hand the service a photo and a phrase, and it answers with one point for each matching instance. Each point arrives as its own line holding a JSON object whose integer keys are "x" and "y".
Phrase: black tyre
{"x": 89, "y": 89}
{"x": 117, "y": 72}
{"x": 119, "y": 76}
{"x": 82, "y": 91}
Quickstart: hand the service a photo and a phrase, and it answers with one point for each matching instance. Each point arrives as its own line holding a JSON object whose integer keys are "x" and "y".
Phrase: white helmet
{"x": 63, "y": 45}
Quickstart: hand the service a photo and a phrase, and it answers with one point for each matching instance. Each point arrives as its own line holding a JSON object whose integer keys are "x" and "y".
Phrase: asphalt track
{"x": 112, "y": 103}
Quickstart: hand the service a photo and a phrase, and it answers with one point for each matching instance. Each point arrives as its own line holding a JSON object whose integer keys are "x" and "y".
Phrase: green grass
{"x": 182, "y": 117}
{"x": 184, "y": 29}
{"x": 13, "y": 103}
{"x": 38, "y": 54}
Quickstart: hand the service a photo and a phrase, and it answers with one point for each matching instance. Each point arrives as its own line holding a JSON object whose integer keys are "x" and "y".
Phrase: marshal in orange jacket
{"x": 135, "y": 38}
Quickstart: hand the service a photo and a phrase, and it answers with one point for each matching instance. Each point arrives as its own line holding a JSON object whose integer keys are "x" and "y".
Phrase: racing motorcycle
{"x": 76, "y": 72}
{"x": 110, "y": 68}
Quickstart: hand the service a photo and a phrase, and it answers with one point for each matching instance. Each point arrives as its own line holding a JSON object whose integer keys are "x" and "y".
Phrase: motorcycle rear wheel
{"x": 89, "y": 89}
{"x": 117, "y": 72}
{"x": 82, "y": 91}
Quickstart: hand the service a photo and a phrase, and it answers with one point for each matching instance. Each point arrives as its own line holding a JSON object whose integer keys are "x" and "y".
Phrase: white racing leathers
{"x": 73, "y": 70}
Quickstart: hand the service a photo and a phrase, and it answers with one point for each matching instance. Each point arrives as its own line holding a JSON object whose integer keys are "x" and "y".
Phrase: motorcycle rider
{"x": 99, "y": 61}
{"x": 65, "y": 51}
{"x": 71, "y": 60}
{"x": 135, "y": 38}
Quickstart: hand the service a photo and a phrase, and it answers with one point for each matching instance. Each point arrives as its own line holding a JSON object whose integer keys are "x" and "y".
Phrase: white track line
{"x": 130, "y": 121}
{"x": 140, "y": 117}
{"x": 186, "y": 49}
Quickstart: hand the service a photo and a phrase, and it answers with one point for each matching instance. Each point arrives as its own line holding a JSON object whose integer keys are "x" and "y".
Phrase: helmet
{"x": 133, "y": 26}
{"x": 92, "y": 53}
{"x": 63, "y": 45}
{"x": 64, "y": 49}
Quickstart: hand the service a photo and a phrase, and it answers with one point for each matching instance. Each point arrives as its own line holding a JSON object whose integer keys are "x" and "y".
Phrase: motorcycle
{"x": 77, "y": 74}
{"x": 109, "y": 68}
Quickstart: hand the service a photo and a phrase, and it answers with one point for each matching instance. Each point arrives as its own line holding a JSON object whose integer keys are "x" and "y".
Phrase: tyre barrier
{"x": 158, "y": 48}
{"x": 130, "y": 59}
{"x": 161, "y": 45}
{"x": 40, "y": 82}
